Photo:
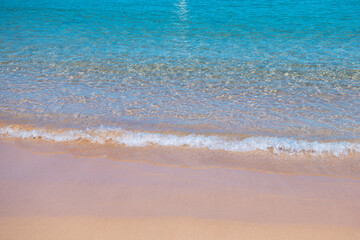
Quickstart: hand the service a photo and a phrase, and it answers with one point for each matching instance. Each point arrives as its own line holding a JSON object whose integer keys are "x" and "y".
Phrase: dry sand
{"x": 162, "y": 228}
{"x": 59, "y": 196}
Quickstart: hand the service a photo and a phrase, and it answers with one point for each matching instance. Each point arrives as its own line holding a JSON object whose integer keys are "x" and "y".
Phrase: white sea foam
{"x": 102, "y": 135}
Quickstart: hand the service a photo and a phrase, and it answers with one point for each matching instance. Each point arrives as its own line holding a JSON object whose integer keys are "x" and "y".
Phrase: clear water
{"x": 272, "y": 68}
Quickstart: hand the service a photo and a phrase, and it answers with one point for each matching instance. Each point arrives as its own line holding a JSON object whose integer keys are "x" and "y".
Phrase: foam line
{"x": 128, "y": 138}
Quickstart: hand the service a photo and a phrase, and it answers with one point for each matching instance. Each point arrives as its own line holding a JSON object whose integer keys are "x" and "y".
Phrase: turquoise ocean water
{"x": 229, "y": 75}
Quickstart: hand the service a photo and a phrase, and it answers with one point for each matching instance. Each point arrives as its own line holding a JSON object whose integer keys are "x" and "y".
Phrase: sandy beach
{"x": 179, "y": 119}
{"x": 60, "y": 196}
{"x": 162, "y": 228}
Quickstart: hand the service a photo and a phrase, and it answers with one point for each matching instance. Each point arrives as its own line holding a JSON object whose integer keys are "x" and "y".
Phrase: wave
{"x": 102, "y": 135}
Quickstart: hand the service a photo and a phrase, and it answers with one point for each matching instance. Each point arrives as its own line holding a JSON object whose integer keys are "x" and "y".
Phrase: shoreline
{"x": 73, "y": 190}
{"x": 185, "y": 157}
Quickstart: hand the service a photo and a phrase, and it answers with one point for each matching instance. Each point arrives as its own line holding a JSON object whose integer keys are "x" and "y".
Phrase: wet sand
{"x": 60, "y": 196}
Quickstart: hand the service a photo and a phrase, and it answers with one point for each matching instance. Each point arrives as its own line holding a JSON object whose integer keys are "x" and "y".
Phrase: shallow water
{"x": 270, "y": 70}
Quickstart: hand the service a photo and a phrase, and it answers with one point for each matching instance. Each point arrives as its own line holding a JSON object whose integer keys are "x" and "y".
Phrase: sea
{"x": 244, "y": 76}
